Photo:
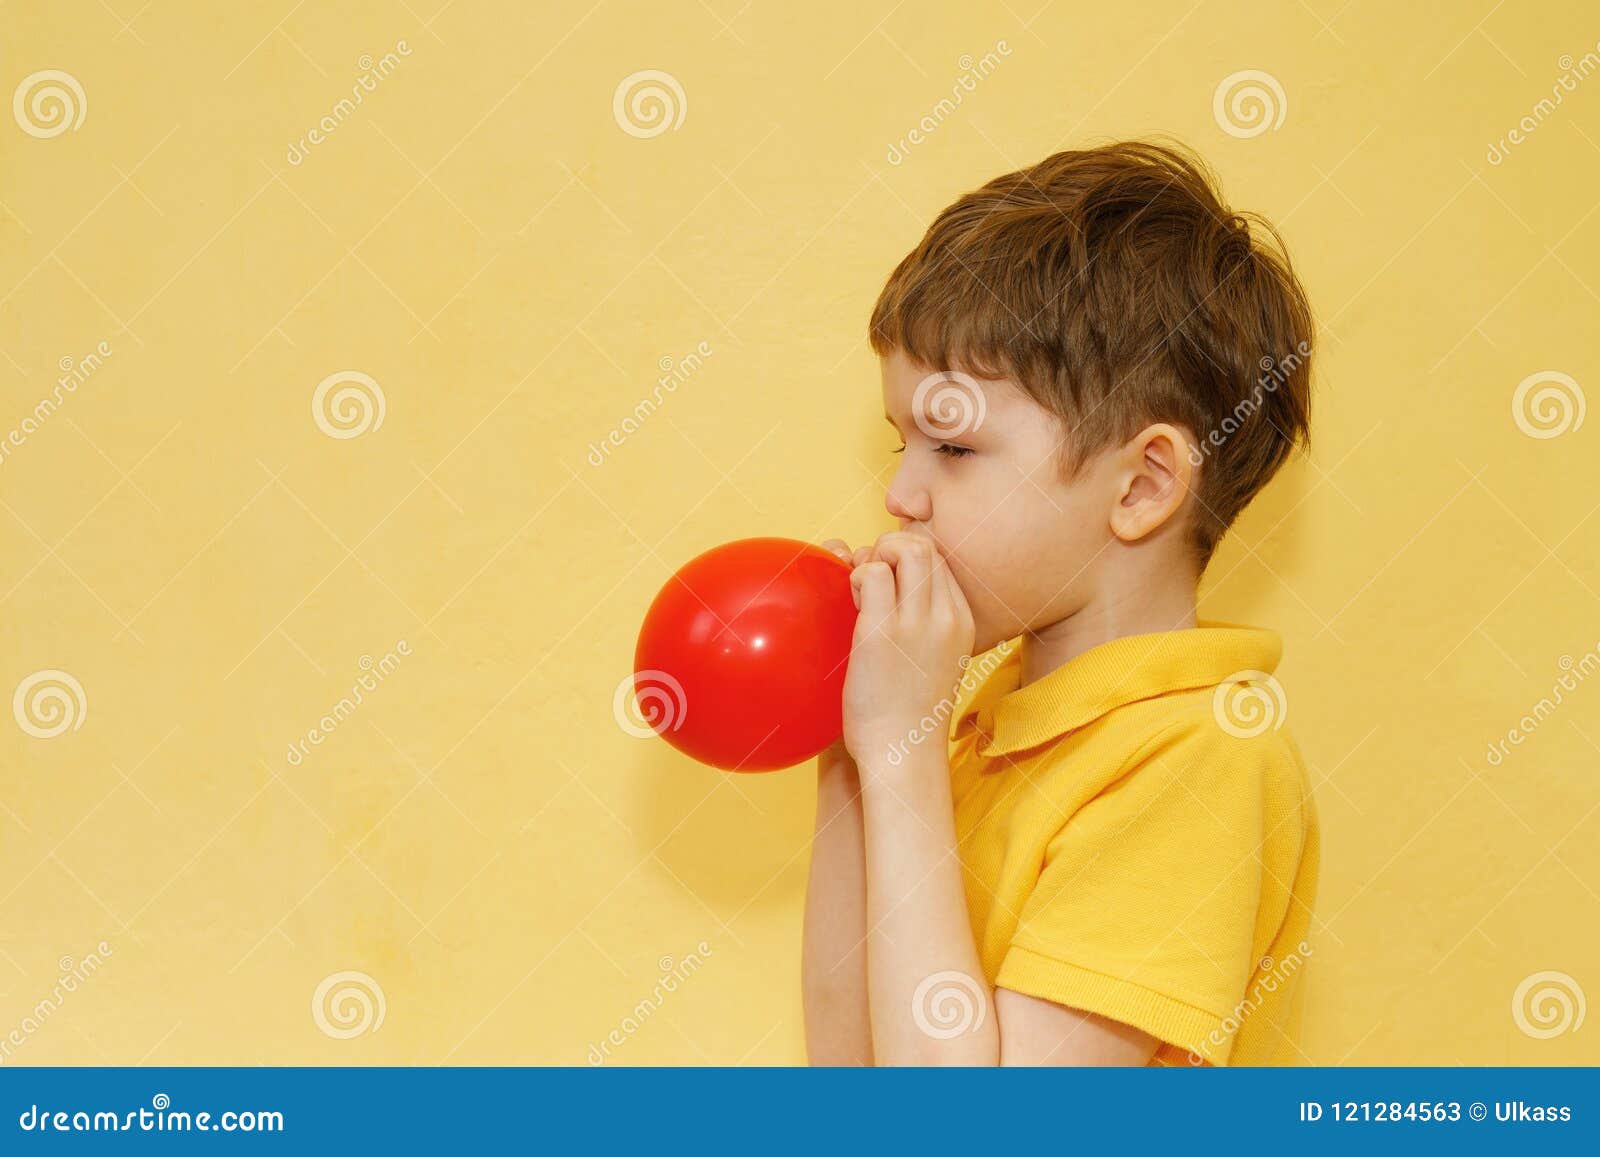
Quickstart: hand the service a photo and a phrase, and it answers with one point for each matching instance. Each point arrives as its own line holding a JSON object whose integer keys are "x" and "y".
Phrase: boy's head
{"x": 1094, "y": 366}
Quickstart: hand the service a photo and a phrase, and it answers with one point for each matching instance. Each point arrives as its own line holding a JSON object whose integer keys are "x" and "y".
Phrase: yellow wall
{"x": 483, "y": 240}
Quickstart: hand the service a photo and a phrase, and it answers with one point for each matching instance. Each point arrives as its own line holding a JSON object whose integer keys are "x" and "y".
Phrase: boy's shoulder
{"x": 1181, "y": 767}
{"x": 1199, "y": 712}
{"x": 1198, "y": 732}
{"x": 1186, "y": 743}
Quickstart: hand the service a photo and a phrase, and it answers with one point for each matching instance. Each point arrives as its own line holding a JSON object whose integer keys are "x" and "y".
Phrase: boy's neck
{"x": 1102, "y": 619}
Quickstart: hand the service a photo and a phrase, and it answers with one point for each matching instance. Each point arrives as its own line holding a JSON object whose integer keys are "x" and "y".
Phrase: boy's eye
{"x": 944, "y": 448}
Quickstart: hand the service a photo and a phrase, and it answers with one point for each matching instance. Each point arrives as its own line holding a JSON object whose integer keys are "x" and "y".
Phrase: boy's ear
{"x": 1154, "y": 475}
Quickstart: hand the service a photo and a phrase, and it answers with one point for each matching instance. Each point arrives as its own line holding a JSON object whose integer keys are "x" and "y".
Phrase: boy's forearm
{"x": 834, "y": 951}
{"x": 924, "y": 959}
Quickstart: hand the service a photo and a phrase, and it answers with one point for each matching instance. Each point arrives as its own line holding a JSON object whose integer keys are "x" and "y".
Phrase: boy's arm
{"x": 930, "y": 1002}
{"x": 1039, "y": 1032}
{"x": 833, "y": 966}
{"x": 929, "y": 999}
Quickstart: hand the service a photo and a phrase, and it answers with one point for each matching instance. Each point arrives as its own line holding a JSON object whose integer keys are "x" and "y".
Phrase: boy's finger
{"x": 873, "y": 586}
{"x": 953, "y": 592}
{"x": 837, "y": 546}
{"x": 912, "y": 559}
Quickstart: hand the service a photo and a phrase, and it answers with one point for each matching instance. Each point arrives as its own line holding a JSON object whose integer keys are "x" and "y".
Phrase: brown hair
{"x": 1114, "y": 287}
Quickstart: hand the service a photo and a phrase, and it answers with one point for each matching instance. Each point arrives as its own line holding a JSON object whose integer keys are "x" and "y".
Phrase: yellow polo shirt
{"x": 1138, "y": 837}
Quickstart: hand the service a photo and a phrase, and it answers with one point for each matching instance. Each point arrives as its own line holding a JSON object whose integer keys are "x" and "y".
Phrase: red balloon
{"x": 741, "y": 659}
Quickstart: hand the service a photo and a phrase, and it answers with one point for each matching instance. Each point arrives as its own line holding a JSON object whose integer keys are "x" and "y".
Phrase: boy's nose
{"x": 906, "y": 507}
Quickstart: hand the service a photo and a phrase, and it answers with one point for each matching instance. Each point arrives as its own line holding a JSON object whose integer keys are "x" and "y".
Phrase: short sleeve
{"x": 1147, "y": 902}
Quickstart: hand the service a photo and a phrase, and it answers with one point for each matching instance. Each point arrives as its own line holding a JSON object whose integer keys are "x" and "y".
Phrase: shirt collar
{"x": 1111, "y": 675}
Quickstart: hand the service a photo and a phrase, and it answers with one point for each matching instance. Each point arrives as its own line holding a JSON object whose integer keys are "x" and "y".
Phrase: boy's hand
{"x": 854, "y": 558}
{"x": 837, "y": 752}
{"x": 913, "y": 639}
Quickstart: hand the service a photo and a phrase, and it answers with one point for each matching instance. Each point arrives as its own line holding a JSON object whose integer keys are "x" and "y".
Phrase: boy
{"x": 1093, "y": 844}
